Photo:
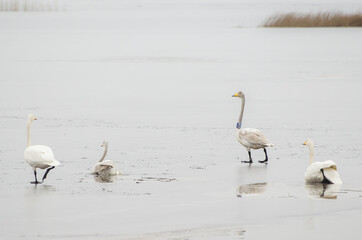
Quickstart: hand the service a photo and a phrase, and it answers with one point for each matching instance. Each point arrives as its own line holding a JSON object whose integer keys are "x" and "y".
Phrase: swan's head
{"x": 239, "y": 95}
{"x": 104, "y": 144}
{"x": 308, "y": 142}
{"x": 31, "y": 117}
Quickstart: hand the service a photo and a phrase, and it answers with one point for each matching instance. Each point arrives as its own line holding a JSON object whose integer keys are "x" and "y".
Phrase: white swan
{"x": 250, "y": 138}
{"x": 38, "y": 156}
{"x": 105, "y": 167}
{"x": 320, "y": 172}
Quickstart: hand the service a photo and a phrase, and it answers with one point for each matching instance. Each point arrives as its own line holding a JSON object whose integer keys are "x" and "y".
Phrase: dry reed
{"x": 28, "y": 5}
{"x": 315, "y": 20}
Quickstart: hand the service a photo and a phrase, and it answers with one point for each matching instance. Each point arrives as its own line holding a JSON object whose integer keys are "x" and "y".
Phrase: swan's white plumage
{"x": 317, "y": 171}
{"x": 252, "y": 138}
{"x": 314, "y": 174}
{"x": 40, "y": 156}
{"x": 105, "y": 167}
{"x": 332, "y": 175}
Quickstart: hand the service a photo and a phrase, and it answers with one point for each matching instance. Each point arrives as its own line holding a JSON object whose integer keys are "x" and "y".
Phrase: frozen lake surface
{"x": 155, "y": 80}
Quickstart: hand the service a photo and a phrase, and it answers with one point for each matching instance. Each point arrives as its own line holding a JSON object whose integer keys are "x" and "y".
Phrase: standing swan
{"x": 105, "y": 167}
{"x": 320, "y": 172}
{"x": 38, "y": 156}
{"x": 250, "y": 138}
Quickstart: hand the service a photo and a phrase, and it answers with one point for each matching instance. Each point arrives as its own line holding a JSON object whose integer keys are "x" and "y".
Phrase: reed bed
{"x": 315, "y": 20}
{"x": 29, "y": 6}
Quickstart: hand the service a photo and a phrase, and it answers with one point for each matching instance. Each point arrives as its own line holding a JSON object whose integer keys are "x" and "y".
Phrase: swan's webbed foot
{"x": 250, "y": 159}
{"x": 247, "y": 162}
{"x": 36, "y": 182}
{"x": 264, "y": 161}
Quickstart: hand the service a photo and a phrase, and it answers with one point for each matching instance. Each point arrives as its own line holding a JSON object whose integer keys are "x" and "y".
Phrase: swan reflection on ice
{"x": 323, "y": 190}
{"x": 248, "y": 189}
{"x": 313, "y": 191}
{"x": 103, "y": 178}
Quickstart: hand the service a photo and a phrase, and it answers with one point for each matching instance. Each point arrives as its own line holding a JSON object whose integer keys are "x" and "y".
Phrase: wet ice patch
{"x": 197, "y": 167}
{"x": 298, "y": 191}
{"x": 211, "y": 233}
{"x": 154, "y": 179}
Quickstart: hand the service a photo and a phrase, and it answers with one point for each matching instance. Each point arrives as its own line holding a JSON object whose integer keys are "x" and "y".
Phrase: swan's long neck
{"x": 28, "y": 133}
{"x": 311, "y": 152}
{"x": 238, "y": 125}
{"x": 105, "y": 153}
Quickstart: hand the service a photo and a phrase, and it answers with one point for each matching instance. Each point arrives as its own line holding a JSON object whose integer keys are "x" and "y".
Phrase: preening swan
{"x": 320, "y": 172}
{"x": 250, "y": 138}
{"x": 38, "y": 156}
{"x": 105, "y": 167}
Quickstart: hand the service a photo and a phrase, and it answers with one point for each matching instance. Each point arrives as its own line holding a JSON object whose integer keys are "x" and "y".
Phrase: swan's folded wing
{"x": 47, "y": 155}
{"x": 313, "y": 173}
{"x": 255, "y": 137}
{"x": 326, "y": 164}
{"x": 103, "y": 167}
{"x": 106, "y": 169}
{"x": 332, "y": 175}
{"x": 49, "y": 159}
{"x": 106, "y": 163}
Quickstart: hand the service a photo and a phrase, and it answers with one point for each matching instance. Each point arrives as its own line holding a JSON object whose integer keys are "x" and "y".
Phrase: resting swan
{"x": 38, "y": 156}
{"x": 105, "y": 167}
{"x": 320, "y": 172}
{"x": 250, "y": 138}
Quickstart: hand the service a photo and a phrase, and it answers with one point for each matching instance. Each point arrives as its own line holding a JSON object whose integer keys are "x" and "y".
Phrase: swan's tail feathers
{"x": 332, "y": 175}
{"x": 55, "y": 163}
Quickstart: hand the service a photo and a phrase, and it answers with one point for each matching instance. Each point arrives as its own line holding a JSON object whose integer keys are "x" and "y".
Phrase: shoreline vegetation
{"x": 29, "y": 6}
{"x": 294, "y": 20}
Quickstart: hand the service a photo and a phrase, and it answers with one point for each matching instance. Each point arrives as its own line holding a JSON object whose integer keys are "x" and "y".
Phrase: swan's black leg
{"x": 46, "y": 173}
{"x": 266, "y": 157}
{"x": 250, "y": 160}
{"x": 325, "y": 180}
{"x": 36, "y": 180}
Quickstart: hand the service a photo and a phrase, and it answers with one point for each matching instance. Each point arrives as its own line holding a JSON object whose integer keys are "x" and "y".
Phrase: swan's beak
{"x": 305, "y": 143}
{"x": 35, "y": 118}
{"x": 235, "y": 95}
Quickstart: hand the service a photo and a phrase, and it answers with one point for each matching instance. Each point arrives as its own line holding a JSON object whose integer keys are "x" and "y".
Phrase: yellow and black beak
{"x": 235, "y": 95}
{"x": 305, "y": 143}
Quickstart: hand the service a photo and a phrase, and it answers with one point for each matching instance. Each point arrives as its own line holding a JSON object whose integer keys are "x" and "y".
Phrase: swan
{"x": 105, "y": 167}
{"x": 320, "y": 172}
{"x": 38, "y": 156}
{"x": 250, "y": 138}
